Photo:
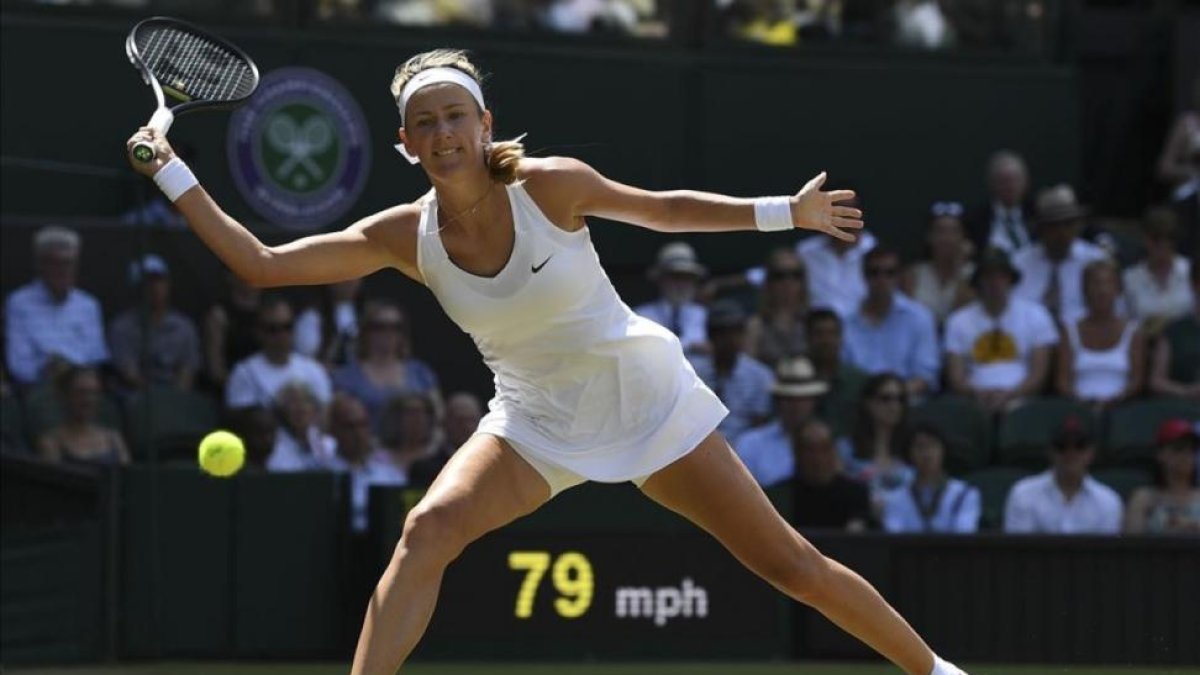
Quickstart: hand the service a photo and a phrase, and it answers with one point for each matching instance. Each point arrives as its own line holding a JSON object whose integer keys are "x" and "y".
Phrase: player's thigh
{"x": 484, "y": 486}
{"x": 711, "y": 487}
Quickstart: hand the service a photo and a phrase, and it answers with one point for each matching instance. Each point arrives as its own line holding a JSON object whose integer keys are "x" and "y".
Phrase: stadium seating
{"x": 1129, "y": 433}
{"x": 1025, "y": 432}
{"x": 166, "y": 423}
{"x": 1123, "y": 479}
{"x": 12, "y": 427}
{"x": 43, "y": 411}
{"x": 994, "y": 484}
{"x": 967, "y": 427}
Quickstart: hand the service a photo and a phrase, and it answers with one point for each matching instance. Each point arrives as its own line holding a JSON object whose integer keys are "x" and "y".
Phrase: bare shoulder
{"x": 558, "y": 185}
{"x": 395, "y": 229}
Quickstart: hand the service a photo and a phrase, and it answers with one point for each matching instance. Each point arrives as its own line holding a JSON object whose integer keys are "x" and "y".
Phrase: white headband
{"x": 435, "y": 76}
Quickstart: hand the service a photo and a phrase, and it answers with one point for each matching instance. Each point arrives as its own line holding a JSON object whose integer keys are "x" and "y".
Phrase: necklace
{"x": 469, "y": 211}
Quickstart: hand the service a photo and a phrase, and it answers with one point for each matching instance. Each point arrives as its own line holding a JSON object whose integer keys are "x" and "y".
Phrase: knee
{"x": 434, "y": 534}
{"x": 804, "y": 573}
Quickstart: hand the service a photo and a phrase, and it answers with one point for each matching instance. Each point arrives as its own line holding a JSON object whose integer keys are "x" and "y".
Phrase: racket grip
{"x": 160, "y": 121}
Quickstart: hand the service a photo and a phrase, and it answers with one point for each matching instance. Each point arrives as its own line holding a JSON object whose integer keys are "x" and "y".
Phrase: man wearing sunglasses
{"x": 1064, "y": 499}
{"x": 890, "y": 332}
{"x": 257, "y": 379}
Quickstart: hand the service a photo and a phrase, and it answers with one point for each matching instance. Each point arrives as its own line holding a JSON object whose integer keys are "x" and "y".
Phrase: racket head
{"x": 188, "y": 67}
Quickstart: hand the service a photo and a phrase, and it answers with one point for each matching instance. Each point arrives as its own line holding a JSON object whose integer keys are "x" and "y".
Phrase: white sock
{"x": 944, "y": 667}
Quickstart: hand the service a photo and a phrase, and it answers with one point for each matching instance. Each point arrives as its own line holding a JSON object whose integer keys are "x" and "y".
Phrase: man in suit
{"x": 1006, "y": 220}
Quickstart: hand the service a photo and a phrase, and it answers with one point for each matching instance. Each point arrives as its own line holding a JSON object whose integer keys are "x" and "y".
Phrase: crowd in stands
{"x": 918, "y": 24}
{"x": 1016, "y": 377}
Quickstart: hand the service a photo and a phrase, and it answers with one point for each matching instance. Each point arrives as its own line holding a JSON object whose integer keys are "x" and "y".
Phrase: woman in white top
{"x": 585, "y": 389}
{"x": 1101, "y": 359}
{"x": 1158, "y": 289}
{"x": 943, "y": 282}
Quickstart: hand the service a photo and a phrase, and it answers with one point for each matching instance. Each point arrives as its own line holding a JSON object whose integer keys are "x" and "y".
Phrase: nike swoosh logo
{"x": 538, "y": 268}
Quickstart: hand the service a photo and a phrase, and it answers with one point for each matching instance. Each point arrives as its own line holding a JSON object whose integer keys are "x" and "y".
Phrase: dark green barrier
{"x": 56, "y": 590}
{"x": 176, "y": 572}
{"x": 599, "y": 572}
{"x": 246, "y": 567}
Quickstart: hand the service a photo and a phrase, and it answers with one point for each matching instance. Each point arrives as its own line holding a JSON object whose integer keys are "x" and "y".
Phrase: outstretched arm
{"x": 592, "y": 194}
{"x": 384, "y": 239}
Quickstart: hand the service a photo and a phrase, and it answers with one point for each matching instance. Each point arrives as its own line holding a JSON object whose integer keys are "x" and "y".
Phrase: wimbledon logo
{"x": 298, "y": 149}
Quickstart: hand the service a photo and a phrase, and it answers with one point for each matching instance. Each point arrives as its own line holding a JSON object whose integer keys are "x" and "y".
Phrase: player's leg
{"x": 712, "y": 488}
{"x": 485, "y": 485}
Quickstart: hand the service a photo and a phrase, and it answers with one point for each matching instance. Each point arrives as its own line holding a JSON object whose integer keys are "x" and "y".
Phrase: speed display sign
{"x": 605, "y": 595}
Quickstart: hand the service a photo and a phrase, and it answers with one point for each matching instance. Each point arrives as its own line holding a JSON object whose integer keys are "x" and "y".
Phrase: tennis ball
{"x": 221, "y": 454}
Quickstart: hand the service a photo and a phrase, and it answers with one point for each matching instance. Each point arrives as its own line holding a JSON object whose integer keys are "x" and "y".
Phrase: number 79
{"x": 572, "y": 577}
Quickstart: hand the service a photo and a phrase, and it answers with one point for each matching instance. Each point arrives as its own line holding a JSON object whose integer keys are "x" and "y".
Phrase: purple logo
{"x": 298, "y": 149}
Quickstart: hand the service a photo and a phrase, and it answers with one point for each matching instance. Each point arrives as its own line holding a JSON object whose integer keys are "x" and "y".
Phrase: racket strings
{"x": 194, "y": 66}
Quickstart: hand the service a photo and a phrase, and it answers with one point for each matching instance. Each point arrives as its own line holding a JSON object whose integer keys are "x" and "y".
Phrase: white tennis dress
{"x": 583, "y": 385}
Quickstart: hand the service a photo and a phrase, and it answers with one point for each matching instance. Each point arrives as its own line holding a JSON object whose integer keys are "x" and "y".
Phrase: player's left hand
{"x": 820, "y": 211}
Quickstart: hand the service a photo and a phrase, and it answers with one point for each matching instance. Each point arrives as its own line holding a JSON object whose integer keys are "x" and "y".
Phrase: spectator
{"x": 872, "y": 453}
{"x": 229, "y": 334}
{"x": 258, "y": 427}
{"x": 890, "y": 332}
{"x": 934, "y": 502}
{"x": 742, "y": 383}
{"x": 1158, "y": 288}
{"x": 769, "y": 22}
{"x": 463, "y": 412}
{"x": 385, "y": 365}
{"x": 1052, "y": 269}
{"x": 777, "y": 331}
{"x": 300, "y": 444}
{"x": 51, "y": 322}
{"x": 1102, "y": 359}
{"x": 998, "y": 348}
{"x": 835, "y": 270}
{"x": 327, "y": 332}
{"x": 1179, "y": 166}
{"x": 356, "y": 454}
{"x": 823, "y": 497}
{"x": 767, "y": 450}
{"x": 80, "y": 438}
{"x": 1177, "y": 354}
{"x": 167, "y": 351}
{"x": 257, "y": 379}
{"x": 1006, "y": 220}
{"x": 407, "y": 432}
{"x": 1172, "y": 505}
{"x": 1064, "y": 499}
{"x": 943, "y": 282}
{"x": 845, "y": 382}
{"x": 678, "y": 276}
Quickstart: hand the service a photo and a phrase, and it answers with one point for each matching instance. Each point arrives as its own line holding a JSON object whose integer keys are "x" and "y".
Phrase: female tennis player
{"x": 585, "y": 389}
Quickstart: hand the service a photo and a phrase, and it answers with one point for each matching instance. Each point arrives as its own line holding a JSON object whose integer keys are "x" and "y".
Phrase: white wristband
{"x": 773, "y": 214}
{"x": 175, "y": 178}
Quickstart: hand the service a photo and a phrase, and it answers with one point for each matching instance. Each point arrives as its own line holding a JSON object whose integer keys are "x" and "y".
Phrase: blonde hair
{"x": 1097, "y": 266}
{"x": 503, "y": 157}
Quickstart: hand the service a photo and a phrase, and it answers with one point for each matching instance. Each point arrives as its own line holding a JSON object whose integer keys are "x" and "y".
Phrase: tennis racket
{"x": 188, "y": 69}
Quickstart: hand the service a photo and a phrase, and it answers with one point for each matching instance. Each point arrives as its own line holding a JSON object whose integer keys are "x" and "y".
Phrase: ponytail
{"x": 503, "y": 158}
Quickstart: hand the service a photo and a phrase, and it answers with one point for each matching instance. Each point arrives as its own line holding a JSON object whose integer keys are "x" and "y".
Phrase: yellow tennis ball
{"x": 222, "y": 454}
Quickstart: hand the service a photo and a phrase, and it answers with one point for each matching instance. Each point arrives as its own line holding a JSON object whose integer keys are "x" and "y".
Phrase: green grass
{"x": 588, "y": 669}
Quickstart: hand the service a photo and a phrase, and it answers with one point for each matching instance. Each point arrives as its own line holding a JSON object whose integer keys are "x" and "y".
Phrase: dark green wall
{"x": 904, "y": 131}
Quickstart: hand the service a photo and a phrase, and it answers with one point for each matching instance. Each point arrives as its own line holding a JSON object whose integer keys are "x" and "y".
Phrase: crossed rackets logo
{"x": 299, "y": 142}
{"x": 297, "y": 150}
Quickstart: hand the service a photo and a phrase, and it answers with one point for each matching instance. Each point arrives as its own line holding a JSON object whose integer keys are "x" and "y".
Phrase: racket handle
{"x": 160, "y": 121}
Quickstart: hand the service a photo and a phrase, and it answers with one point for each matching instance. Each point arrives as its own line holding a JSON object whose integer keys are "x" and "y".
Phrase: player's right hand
{"x": 162, "y": 151}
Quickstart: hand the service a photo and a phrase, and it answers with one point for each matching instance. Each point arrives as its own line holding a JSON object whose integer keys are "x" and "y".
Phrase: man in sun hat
{"x": 1052, "y": 269}
{"x": 678, "y": 273}
{"x": 1064, "y": 499}
{"x": 767, "y": 450}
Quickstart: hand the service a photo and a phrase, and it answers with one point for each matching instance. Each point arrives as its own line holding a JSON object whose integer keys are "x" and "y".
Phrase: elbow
{"x": 260, "y": 272}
